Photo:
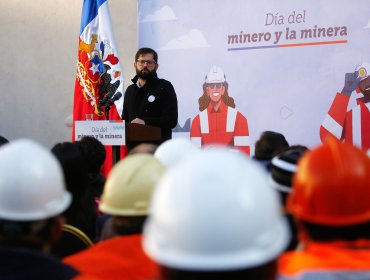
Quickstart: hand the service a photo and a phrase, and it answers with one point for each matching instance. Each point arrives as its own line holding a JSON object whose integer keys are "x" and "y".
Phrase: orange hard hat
{"x": 332, "y": 186}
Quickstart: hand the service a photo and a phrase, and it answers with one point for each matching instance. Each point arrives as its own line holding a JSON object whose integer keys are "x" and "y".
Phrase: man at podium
{"x": 149, "y": 103}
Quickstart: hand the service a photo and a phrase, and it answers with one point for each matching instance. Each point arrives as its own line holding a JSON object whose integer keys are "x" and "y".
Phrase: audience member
{"x": 174, "y": 150}
{"x": 213, "y": 216}
{"x": 269, "y": 145}
{"x": 32, "y": 197}
{"x": 126, "y": 199}
{"x": 283, "y": 168}
{"x": 94, "y": 154}
{"x": 143, "y": 148}
{"x": 3, "y": 140}
{"x": 330, "y": 201}
{"x": 83, "y": 211}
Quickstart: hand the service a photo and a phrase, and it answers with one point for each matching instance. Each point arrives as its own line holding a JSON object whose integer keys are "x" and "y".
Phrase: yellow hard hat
{"x": 130, "y": 184}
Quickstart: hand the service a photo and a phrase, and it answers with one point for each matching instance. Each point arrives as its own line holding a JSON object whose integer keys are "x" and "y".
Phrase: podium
{"x": 117, "y": 133}
{"x": 136, "y": 134}
{"x": 142, "y": 133}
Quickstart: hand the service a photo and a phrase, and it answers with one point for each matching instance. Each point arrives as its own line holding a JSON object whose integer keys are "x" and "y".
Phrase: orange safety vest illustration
{"x": 349, "y": 125}
{"x": 227, "y": 126}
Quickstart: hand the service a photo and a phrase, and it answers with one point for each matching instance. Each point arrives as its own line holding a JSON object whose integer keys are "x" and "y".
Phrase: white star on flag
{"x": 94, "y": 68}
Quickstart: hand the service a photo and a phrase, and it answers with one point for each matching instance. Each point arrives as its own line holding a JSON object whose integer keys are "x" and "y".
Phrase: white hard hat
{"x": 215, "y": 211}
{"x": 363, "y": 70}
{"x": 130, "y": 184}
{"x": 215, "y": 75}
{"x": 31, "y": 183}
{"x": 172, "y": 151}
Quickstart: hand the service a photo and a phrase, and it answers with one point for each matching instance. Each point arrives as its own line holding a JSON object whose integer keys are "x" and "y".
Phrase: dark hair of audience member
{"x": 23, "y": 234}
{"x": 3, "y": 140}
{"x": 93, "y": 153}
{"x": 143, "y": 148}
{"x": 322, "y": 233}
{"x": 269, "y": 145}
{"x": 265, "y": 271}
{"x": 82, "y": 212}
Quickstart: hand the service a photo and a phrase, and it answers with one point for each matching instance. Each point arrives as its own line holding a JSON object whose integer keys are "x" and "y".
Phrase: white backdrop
{"x": 286, "y": 85}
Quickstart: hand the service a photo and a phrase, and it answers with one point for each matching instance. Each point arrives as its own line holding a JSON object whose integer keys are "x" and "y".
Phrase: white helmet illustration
{"x": 215, "y": 75}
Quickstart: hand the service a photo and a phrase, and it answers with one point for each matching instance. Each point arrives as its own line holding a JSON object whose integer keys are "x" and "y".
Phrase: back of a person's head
{"x": 264, "y": 272}
{"x": 129, "y": 188}
{"x": 32, "y": 193}
{"x": 143, "y": 148}
{"x": 174, "y": 150}
{"x": 269, "y": 145}
{"x": 330, "y": 194}
{"x": 93, "y": 152}
{"x": 82, "y": 212}
{"x": 3, "y": 140}
{"x": 74, "y": 167}
{"x": 213, "y": 215}
{"x": 283, "y": 168}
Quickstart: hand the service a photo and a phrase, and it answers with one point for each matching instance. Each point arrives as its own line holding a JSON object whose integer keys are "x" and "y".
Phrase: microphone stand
{"x": 106, "y": 110}
{"x": 116, "y": 150}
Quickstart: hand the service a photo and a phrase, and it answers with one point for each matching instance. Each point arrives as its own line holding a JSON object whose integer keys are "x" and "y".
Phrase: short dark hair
{"x": 265, "y": 271}
{"x": 270, "y": 144}
{"x": 131, "y": 224}
{"x": 93, "y": 152}
{"x": 3, "y": 140}
{"x": 29, "y": 234}
{"x": 143, "y": 51}
{"x": 324, "y": 233}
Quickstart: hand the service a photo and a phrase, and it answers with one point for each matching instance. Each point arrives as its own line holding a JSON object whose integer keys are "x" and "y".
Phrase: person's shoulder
{"x": 130, "y": 90}
{"x": 131, "y": 86}
{"x": 162, "y": 81}
{"x": 165, "y": 86}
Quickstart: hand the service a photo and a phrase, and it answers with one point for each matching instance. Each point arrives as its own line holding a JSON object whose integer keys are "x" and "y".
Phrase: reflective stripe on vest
{"x": 332, "y": 126}
{"x": 356, "y": 126}
{"x": 241, "y": 140}
{"x": 203, "y": 118}
{"x": 230, "y": 119}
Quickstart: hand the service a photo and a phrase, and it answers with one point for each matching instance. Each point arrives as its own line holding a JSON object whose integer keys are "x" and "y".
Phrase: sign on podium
{"x": 109, "y": 133}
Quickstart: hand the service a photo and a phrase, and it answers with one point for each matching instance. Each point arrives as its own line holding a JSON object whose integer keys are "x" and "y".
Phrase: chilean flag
{"x": 99, "y": 73}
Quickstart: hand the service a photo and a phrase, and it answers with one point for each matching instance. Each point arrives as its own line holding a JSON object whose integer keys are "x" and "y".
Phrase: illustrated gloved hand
{"x": 350, "y": 83}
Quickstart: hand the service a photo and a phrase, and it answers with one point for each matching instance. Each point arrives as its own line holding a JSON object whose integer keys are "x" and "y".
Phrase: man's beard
{"x": 145, "y": 75}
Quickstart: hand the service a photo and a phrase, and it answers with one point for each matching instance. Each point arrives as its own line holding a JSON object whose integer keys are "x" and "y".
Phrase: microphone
{"x": 103, "y": 101}
{"x": 117, "y": 96}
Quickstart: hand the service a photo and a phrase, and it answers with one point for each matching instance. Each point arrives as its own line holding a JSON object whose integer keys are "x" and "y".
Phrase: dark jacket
{"x": 24, "y": 263}
{"x": 155, "y": 103}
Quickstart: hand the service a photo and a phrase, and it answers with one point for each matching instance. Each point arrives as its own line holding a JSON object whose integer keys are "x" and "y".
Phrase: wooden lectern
{"x": 142, "y": 133}
{"x": 137, "y": 133}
